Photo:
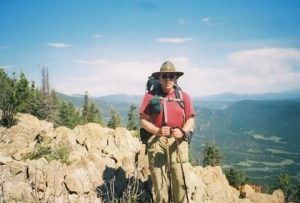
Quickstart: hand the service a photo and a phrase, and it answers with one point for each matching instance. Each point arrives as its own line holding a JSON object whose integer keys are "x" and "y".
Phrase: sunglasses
{"x": 171, "y": 76}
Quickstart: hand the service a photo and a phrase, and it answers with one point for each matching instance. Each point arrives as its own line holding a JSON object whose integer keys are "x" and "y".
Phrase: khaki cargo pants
{"x": 158, "y": 164}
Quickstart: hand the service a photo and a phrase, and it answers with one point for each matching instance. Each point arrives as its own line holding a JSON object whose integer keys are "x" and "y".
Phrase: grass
{"x": 50, "y": 153}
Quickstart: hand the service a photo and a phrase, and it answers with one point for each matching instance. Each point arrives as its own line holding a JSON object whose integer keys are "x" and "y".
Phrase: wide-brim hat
{"x": 167, "y": 67}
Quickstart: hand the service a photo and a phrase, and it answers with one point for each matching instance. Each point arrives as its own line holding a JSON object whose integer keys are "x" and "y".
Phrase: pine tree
{"x": 14, "y": 94}
{"x": 90, "y": 112}
{"x": 284, "y": 183}
{"x": 236, "y": 177}
{"x": 115, "y": 120}
{"x": 132, "y": 118}
{"x": 68, "y": 115}
{"x": 53, "y": 106}
{"x": 6, "y": 102}
{"x": 49, "y": 100}
{"x": 94, "y": 114}
{"x": 22, "y": 93}
{"x": 212, "y": 155}
{"x": 85, "y": 109}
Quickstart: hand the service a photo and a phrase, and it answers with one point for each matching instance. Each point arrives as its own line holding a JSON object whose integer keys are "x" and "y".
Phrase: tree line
{"x": 17, "y": 94}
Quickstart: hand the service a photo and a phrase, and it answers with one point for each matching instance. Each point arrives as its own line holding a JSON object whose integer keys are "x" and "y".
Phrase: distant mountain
{"x": 133, "y": 99}
{"x": 262, "y": 137}
{"x": 229, "y": 96}
{"x": 224, "y": 100}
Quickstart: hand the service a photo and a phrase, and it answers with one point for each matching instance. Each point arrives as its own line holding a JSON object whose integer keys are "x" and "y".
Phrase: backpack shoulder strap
{"x": 179, "y": 96}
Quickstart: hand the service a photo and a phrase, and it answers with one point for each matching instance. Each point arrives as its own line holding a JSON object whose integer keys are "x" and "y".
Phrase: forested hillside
{"x": 261, "y": 137}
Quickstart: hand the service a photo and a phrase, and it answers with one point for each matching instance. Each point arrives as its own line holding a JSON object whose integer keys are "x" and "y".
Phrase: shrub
{"x": 236, "y": 177}
{"x": 60, "y": 153}
{"x": 212, "y": 156}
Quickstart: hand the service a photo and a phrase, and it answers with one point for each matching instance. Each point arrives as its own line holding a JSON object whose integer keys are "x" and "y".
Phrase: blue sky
{"x": 111, "y": 46}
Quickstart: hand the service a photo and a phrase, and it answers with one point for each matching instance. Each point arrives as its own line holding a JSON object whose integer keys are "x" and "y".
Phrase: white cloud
{"x": 210, "y": 21}
{"x": 250, "y": 71}
{"x": 103, "y": 77}
{"x": 174, "y": 40}
{"x": 97, "y": 35}
{"x": 58, "y": 45}
{"x": 181, "y": 21}
{"x": 93, "y": 62}
{"x": 206, "y": 19}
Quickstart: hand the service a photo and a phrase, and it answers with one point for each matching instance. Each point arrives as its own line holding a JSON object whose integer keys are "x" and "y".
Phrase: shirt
{"x": 175, "y": 114}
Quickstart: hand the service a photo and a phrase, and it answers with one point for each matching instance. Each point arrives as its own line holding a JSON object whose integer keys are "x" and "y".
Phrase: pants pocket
{"x": 182, "y": 152}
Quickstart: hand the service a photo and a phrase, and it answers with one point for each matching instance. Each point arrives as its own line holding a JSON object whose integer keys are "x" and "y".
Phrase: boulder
{"x": 16, "y": 191}
{"x": 86, "y": 174}
{"x": 55, "y": 174}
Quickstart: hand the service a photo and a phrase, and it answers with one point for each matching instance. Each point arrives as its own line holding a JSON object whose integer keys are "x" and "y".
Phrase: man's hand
{"x": 165, "y": 131}
{"x": 177, "y": 133}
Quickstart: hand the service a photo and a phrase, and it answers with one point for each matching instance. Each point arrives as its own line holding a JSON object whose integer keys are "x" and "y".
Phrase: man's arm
{"x": 185, "y": 130}
{"x": 189, "y": 125}
{"x": 153, "y": 129}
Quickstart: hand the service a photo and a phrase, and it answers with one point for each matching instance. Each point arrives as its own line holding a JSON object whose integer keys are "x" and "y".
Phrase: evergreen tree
{"x": 31, "y": 101}
{"x": 49, "y": 100}
{"x": 22, "y": 93}
{"x": 90, "y": 112}
{"x": 36, "y": 102}
{"x": 68, "y": 115}
{"x": 94, "y": 114}
{"x": 212, "y": 155}
{"x": 85, "y": 109}
{"x": 14, "y": 94}
{"x": 284, "y": 183}
{"x": 53, "y": 106}
{"x": 236, "y": 177}
{"x": 132, "y": 118}
{"x": 6, "y": 102}
{"x": 297, "y": 191}
{"x": 115, "y": 120}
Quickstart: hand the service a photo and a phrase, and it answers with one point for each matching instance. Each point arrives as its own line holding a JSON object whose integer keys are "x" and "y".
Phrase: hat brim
{"x": 156, "y": 74}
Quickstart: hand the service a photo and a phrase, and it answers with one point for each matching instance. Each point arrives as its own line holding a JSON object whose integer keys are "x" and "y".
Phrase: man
{"x": 169, "y": 123}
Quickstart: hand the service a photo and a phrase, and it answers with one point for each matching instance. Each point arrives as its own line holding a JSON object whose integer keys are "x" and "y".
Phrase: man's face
{"x": 167, "y": 81}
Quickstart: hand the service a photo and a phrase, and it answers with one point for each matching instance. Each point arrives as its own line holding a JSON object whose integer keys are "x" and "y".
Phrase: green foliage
{"x": 268, "y": 189}
{"x": 60, "y": 153}
{"x": 14, "y": 94}
{"x": 236, "y": 177}
{"x": 84, "y": 113}
{"x": 90, "y": 112}
{"x": 94, "y": 114}
{"x": 297, "y": 192}
{"x": 284, "y": 183}
{"x": 115, "y": 120}
{"x": 212, "y": 155}
{"x": 22, "y": 92}
{"x": 132, "y": 118}
{"x": 68, "y": 115}
{"x": 46, "y": 102}
{"x": 135, "y": 133}
{"x": 290, "y": 189}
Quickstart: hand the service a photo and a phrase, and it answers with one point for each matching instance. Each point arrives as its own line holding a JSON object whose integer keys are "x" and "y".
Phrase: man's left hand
{"x": 177, "y": 133}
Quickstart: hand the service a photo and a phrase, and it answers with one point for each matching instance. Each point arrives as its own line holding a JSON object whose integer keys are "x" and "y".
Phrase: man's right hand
{"x": 165, "y": 131}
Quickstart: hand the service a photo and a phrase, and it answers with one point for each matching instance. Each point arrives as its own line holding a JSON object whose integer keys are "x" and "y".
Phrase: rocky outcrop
{"x": 100, "y": 160}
